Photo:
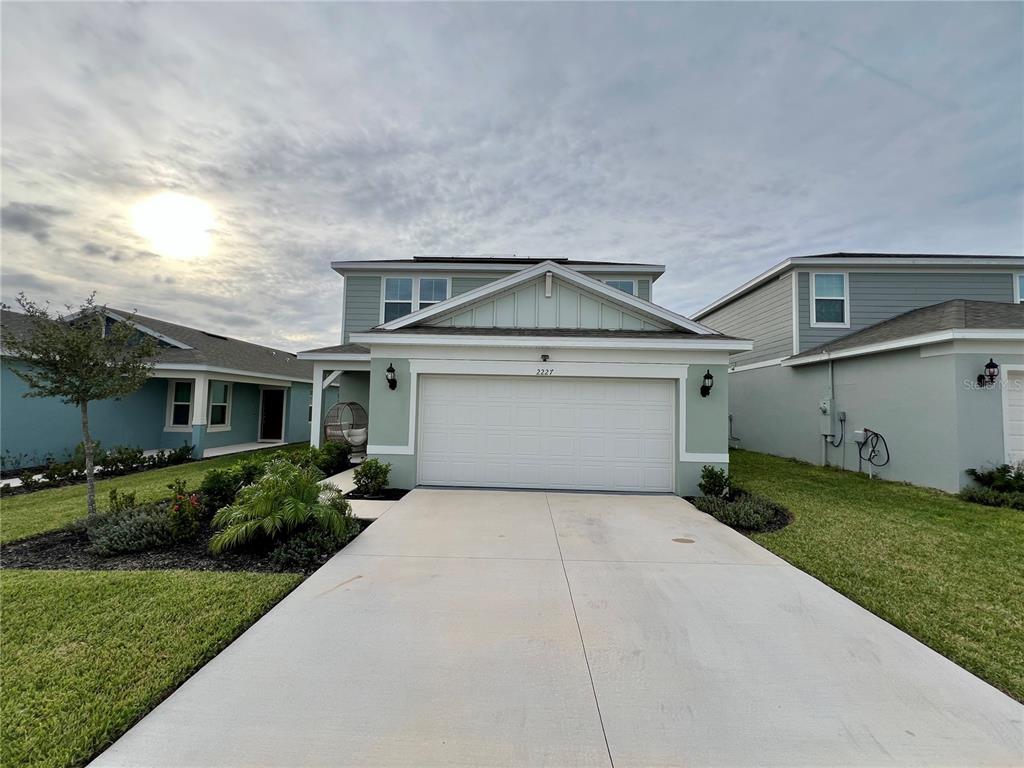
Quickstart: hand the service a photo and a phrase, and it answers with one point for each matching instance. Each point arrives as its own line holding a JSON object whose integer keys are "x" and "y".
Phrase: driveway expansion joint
{"x": 583, "y": 643}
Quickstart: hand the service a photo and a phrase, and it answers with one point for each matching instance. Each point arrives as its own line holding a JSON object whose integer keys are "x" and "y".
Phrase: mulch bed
{"x": 65, "y": 550}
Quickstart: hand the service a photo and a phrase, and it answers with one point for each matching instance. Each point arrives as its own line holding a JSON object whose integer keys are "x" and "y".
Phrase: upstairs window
{"x": 1018, "y": 288}
{"x": 220, "y": 406}
{"x": 432, "y": 290}
{"x": 397, "y": 297}
{"x": 830, "y": 300}
{"x": 179, "y": 405}
{"x": 626, "y": 286}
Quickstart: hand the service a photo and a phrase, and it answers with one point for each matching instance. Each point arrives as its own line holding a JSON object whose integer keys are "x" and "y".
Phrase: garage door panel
{"x": 601, "y": 434}
{"x": 1014, "y": 417}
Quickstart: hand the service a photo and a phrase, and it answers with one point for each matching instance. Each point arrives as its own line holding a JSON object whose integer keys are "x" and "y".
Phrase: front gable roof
{"x": 491, "y": 300}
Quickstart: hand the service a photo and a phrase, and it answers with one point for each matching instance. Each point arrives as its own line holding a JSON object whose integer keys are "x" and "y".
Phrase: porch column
{"x": 315, "y": 425}
{"x": 200, "y": 391}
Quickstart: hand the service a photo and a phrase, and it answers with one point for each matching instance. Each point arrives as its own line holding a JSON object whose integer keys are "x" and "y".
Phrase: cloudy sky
{"x": 716, "y": 139}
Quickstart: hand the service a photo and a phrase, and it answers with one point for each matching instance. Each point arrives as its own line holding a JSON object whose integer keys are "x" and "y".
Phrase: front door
{"x": 272, "y": 414}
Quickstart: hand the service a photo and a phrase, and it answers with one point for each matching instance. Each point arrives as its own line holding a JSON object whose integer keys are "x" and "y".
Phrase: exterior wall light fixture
{"x": 988, "y": 378}
{"x": 707, "y": 383}
{"x": 390, "y": 377}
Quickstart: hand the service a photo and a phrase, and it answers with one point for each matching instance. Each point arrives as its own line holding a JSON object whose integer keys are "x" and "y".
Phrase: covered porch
{"x": 340, "y": 374}
{"x": 219, "y": 412}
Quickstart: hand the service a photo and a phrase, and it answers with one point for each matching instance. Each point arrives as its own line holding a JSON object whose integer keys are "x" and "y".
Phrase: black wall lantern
{"x": 390, "y": 376}
{"x": 707, "y": 383}
{"x": 990, "y": 375}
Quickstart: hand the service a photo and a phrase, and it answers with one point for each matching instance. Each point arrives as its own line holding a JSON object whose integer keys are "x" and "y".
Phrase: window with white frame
{"x": 1018, "y": 288}
{"x": 830, "y": 300}
{"x": 179, "y": 405}
{"x": 220, "y": 406}
{"x": 397, "y": 297}
{"x": 432, "y": 290}
{"x": 626, "y": 286}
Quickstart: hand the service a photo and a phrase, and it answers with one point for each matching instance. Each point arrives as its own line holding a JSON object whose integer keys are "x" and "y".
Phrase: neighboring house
{"x": 526, "y": 373}
{"x": 894, "y": 343}
{"x": 214, "y": 393}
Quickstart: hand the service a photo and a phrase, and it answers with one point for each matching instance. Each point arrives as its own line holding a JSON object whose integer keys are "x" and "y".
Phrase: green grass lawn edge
{"x": 947, "y": 572}
{"x": 86, "y": 654}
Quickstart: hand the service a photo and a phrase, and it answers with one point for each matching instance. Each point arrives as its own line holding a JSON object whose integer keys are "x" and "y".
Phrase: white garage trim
{"x": 1006, "y": 383}
{"x": 529, "y": 368}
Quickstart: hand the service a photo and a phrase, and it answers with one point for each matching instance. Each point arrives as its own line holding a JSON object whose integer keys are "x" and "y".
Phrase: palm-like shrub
{"x": 284, "y": 499}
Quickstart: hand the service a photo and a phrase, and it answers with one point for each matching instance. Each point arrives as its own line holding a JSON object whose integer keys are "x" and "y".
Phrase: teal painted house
{"x": 527, "y": 373}
{"x": 217, "y": 394}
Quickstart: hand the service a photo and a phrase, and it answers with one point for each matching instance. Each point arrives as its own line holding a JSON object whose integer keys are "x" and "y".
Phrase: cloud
{"x": 716, "y": 139}
{"x": 31, "y": 219}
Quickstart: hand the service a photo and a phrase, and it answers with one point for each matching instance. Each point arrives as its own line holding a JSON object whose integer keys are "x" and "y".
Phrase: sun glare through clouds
{"x": 177, "y": 226}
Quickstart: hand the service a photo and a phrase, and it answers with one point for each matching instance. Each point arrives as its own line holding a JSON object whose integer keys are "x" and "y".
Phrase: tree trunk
{"x": 90, "y": 472}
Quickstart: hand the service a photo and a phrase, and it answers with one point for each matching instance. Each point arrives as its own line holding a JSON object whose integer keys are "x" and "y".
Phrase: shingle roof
{"x": 205, "y": 348}
{"x": 339, "y": 349}
{"x": 949, "y": 315}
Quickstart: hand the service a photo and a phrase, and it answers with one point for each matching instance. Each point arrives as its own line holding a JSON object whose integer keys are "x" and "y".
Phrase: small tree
{"x": 79, "y": 357}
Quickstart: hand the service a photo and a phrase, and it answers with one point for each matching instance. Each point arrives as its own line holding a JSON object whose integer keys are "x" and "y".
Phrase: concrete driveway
{"x": 480, "y": 628}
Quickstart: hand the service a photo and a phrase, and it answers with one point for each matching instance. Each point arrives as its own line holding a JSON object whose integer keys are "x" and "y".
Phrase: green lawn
{"x": 86, "y": 653}
{"x": 947, "y": 572}
{"x": 40, "y": 511}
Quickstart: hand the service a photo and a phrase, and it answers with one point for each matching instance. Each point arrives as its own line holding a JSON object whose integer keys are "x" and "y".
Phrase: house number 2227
{"x": 545, "y": 371}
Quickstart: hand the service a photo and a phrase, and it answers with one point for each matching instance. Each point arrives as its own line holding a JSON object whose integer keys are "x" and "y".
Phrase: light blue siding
{"x": 643, "y": 289}
{"x": 362, "y": 304}
{"x": 245, "y": 409}
{"x": 878, "y": 296}
{"x": 37, "y": 427}
{"x": 463, "y": 284}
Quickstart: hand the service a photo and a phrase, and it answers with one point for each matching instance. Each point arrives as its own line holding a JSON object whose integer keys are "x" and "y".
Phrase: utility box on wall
{"x": 827, "y": 409}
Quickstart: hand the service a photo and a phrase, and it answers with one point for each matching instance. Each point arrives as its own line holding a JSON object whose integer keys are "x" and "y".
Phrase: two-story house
{"x": 529, "y": 373}
{"x": 925, "y": 350}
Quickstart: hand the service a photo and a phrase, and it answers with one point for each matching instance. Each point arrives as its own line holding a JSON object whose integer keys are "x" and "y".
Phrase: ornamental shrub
{"x": 220, "y": 486}
{"x": 309, "y": 548}
{"x": 1006, "y": 478}
{"x": 135, "y": 529}
{"x": 993, "y": 498}
{"x": 714, "y": 482}
{"x": 285, "y": 499}
{"x": 371, "y": 477}
{"x": 745, "y": 511}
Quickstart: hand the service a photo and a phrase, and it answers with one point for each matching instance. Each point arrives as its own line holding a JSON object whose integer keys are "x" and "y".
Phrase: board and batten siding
{"x": 526, "y": 306}
{"x": 764, "y": 316}
{"x": 878, "y": 296}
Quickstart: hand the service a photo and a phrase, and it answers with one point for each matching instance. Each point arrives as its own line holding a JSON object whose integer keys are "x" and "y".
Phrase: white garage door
{"x": 1015, "y": 417}
{"x": 526, "y": 432}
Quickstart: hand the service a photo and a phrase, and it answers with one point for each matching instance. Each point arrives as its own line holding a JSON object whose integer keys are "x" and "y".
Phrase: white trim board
{"x": 538, "y": 270}
{"x": 467, "y": 268}
{"x": 697, "y": 343}
{"x": 755, "y": 366}
{"x": 983, "y": 334}
{"x": 177, "y": 370}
